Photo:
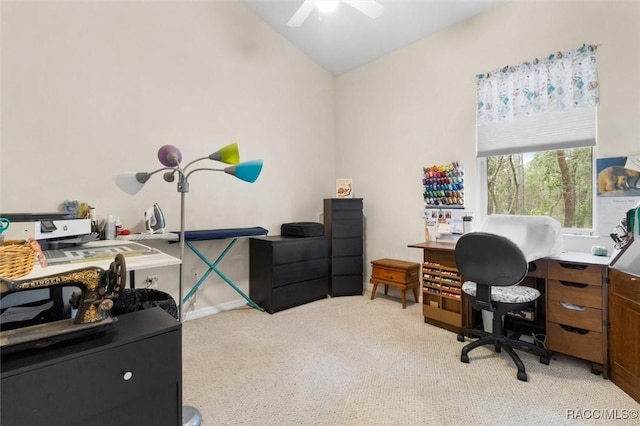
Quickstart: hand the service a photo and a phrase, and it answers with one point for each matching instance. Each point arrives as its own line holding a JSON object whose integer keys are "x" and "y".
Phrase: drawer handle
{"x": 576, "y": 285}
{"x": 573, "y": 307}
{"x": 127, "y": 376}
{"x": 575, "y": 330}
{"x": 573, "y": 266}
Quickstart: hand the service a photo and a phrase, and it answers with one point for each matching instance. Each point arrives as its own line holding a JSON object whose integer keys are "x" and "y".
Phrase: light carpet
{"x": 356, "y": 361}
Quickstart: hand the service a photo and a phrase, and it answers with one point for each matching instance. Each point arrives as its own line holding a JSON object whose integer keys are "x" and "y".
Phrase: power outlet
{"x": 152, "y": 281}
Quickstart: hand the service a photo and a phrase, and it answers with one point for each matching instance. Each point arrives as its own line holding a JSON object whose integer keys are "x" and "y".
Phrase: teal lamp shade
{"x": 228, "y": 154}
{"x": 247, "y": 171}
{"x": 131, "y": 182}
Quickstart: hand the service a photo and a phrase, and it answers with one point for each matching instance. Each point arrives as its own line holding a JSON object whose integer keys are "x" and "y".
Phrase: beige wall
{"x": 416, "y": 107}
{"x": 91, "y": 89}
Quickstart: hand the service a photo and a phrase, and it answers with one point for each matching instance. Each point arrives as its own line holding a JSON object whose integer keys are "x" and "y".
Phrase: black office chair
{"x": 491, "y": 266}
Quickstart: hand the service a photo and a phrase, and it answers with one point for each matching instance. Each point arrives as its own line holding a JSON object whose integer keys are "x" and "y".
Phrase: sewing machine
{"x": 99, "y": 288}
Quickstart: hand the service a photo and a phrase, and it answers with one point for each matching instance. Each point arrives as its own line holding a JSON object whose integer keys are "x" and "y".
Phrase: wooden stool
{"x": 397, "y": 273}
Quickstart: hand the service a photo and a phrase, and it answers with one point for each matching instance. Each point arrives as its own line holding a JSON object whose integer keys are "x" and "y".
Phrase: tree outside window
{"x": 554, "y": 183}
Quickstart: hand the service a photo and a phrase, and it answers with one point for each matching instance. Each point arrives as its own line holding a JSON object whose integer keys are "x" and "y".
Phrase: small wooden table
{"x": 397, "y": 273}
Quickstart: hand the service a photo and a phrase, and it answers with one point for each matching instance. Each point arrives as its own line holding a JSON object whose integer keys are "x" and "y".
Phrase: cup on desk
{"x": 467, "y": 224}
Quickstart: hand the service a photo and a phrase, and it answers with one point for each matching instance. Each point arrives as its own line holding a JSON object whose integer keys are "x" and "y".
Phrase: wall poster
{"x": 618, "y": 190}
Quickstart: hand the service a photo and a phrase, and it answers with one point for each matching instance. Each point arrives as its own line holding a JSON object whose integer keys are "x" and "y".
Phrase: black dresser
{"x": 128, "y": 375}
{"x": 286, "y": 271}
{"x": 344, "y": 227}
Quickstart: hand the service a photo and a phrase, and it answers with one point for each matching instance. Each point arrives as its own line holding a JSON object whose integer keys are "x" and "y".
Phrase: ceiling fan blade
{"x": 371, "y": 8}
{"x": 301, "y": 14}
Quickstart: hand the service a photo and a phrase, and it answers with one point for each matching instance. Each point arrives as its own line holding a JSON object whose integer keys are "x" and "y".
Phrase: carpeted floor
{"x": 356, "y": 361}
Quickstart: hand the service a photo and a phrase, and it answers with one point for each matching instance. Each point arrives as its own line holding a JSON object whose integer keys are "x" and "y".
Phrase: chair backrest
{"x": 490, "y": 259}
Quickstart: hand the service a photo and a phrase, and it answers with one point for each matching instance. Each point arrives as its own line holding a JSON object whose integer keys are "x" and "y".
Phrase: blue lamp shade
{"x": 131, "y": 182}
{"x": 247, "y": 171}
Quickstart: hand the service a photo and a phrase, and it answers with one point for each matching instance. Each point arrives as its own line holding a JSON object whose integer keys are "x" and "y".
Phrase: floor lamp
{"x": 171, "y": 158}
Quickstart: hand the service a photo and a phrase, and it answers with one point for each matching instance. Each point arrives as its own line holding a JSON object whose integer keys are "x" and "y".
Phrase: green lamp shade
{"x": 228, "y": 154}
{"x": 247, "y": 171}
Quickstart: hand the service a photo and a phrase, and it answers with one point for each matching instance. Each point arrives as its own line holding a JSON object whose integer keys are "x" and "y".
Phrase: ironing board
{"x": 220, "y": 234}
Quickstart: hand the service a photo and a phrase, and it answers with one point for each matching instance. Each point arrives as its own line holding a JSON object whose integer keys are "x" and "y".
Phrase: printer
{"x": 51, "y": 230}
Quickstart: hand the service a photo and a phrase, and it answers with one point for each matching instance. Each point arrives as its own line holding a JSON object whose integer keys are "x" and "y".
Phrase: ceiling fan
{"x": 371, "y": 8}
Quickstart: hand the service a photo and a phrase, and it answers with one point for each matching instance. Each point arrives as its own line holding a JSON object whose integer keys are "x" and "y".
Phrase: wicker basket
{"x": 16, "y": 259}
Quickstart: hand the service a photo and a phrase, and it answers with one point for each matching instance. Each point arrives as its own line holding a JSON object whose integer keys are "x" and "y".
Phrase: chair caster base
{"x": 464, "y": 358}
{"x": 522, "y": 376}
{"x": 460, "y": 338}
{"x": 544, "y": 360}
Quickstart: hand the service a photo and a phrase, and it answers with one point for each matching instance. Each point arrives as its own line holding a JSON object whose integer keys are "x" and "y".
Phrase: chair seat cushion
{"x": 509, "y": 294}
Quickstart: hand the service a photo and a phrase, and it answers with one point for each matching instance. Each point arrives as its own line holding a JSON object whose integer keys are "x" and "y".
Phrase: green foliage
{"x": 534, "y": 184}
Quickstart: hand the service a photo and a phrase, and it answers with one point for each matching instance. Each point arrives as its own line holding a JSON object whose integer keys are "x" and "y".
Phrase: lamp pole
{"x": 171, "y": 157}
{"x": 183, "y": 188}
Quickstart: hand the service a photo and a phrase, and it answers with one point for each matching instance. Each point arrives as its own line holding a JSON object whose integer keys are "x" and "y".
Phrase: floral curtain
{"x": 561, "y": 81}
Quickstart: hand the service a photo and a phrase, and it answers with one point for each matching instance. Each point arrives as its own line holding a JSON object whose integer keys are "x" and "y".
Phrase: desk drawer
{"x": 347, "y": 228}
{"x": 346, "y": 246}
{"x": 575, "y": 293}
{"x": 585, "y": 317}
{"x": 348, "y": 265}
{"x": 301, "y": 271}
{"x": 442, "y": 315}
{"x": 298, "y": 249}
{"x": 577, "y": 342}
{"x": 575, "y": 272}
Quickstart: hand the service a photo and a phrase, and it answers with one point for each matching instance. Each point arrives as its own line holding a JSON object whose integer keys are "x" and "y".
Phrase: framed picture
{"x": 344, "y": 188}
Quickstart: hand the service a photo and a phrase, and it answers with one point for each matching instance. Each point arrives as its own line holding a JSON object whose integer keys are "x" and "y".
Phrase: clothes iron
{"x": 99, "y": 288}
{"x": 154, "y": 220}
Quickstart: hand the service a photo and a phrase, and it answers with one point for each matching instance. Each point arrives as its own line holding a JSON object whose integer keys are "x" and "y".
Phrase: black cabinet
{"x": 127, "y": 375}
{"x": 344, "y": 227}
{"x": 285, "y": 271}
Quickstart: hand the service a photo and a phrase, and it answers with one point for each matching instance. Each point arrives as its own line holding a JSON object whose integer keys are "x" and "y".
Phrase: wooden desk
{"x": 441, "y": 307}
{"x": 572, "y": 312}
{"x": 624, "y": 345}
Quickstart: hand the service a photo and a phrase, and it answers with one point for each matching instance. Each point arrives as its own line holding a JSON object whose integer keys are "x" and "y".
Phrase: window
{"x": 557, "y": 183}
{"x": 536, "y": 126}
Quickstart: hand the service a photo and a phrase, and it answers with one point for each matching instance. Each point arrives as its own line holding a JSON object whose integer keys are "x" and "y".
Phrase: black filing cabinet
{"x": 286, "y": 271}
{"x": 344, "y": 227}
{"x": 130, "y": 374}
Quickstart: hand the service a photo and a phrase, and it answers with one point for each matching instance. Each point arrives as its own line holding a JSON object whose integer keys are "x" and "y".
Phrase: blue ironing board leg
{"x": 213, "y": 266}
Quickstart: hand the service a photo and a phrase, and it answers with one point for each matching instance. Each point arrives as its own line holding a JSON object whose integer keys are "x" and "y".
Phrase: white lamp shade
{"x": 128, "y": 182}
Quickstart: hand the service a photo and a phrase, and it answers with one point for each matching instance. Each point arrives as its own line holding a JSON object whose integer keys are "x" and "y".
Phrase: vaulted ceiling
{"x": 345, "y": 39}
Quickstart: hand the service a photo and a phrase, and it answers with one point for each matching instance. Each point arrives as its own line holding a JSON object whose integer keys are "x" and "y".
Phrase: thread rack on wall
{"x": 443, "y": 186}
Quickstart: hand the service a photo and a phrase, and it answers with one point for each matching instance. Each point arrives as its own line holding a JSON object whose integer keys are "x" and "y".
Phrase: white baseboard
{"x": 211, "y": 310}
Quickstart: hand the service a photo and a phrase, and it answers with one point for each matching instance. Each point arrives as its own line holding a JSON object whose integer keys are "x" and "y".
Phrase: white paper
{"x": 23, "y": 313}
